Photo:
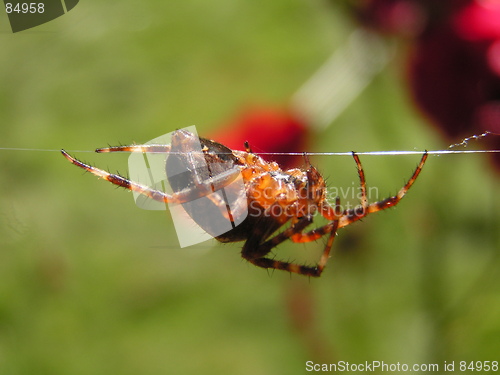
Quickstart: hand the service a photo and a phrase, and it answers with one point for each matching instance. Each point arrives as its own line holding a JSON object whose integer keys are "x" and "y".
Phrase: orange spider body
{"x": 283, "y": 194}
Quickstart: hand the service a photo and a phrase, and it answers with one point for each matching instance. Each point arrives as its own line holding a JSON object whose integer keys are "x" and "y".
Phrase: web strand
{"x": 369, "y": 153}
{"x": 463, "y": 143}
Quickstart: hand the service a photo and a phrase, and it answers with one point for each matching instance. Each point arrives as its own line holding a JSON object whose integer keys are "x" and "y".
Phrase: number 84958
{"x": 25, "y": 8}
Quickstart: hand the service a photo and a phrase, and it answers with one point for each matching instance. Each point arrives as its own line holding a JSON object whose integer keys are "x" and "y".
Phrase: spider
{"x": 272, "y": 197}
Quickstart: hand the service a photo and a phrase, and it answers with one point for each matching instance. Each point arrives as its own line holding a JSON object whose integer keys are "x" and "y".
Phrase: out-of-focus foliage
{"x": 90, "y": 284}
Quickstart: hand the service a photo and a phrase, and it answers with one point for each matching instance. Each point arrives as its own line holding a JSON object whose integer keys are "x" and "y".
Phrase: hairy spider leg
{"x": 136, "y": 148}
{"x": 352, "y": 215}
{"x": 362, "y": 181}
{"x": 158, "y": 148}
{"x": 338, "y": 221}
{"x": 186, "y": 195}
{"x": 256, "y": 255}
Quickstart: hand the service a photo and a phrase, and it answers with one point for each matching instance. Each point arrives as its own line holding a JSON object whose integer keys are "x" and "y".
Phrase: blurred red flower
{"x": 267, "y": 130}
{"x": 455, "y": 72}
{"x": 454, "y": 65}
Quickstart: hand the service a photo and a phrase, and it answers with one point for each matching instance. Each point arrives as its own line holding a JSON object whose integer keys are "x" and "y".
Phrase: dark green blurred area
{"x": 90, "y": 284}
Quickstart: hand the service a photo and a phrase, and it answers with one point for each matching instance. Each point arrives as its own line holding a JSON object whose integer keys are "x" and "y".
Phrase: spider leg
{"x": 331, "y": 213}
{"x": 355, "y": 214}
{"x": 299, "y": 268}
{"x": 183, "y": 196}
{"x": 362, "y": 181}
{"x": 253, "y": 248}
{"x": 255, "y": 252}
{"x": 257, "y": 255}
{"x": 136, "y": 148}
{"x": 216, "y": 199}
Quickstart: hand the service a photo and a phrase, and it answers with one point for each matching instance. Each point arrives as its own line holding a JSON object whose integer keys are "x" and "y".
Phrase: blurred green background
{"x": 90, "y": 284}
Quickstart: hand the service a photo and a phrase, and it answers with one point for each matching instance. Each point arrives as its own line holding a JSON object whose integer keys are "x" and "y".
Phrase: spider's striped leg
{"x": 299, "y": 268}
{"x": 296, "y": 235}
{"x": 254, "y": 249}
{"x": 183, "y": 196}
{"x": 255, "y": 253}
{"x": 350, "y": 216}
{"x": 362, "y": 182}
{"x": 331, "y": 213}
{"x": 161, "y": 148}
{"x": 136, "y": 148}
{"x": 320, "y": 232}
